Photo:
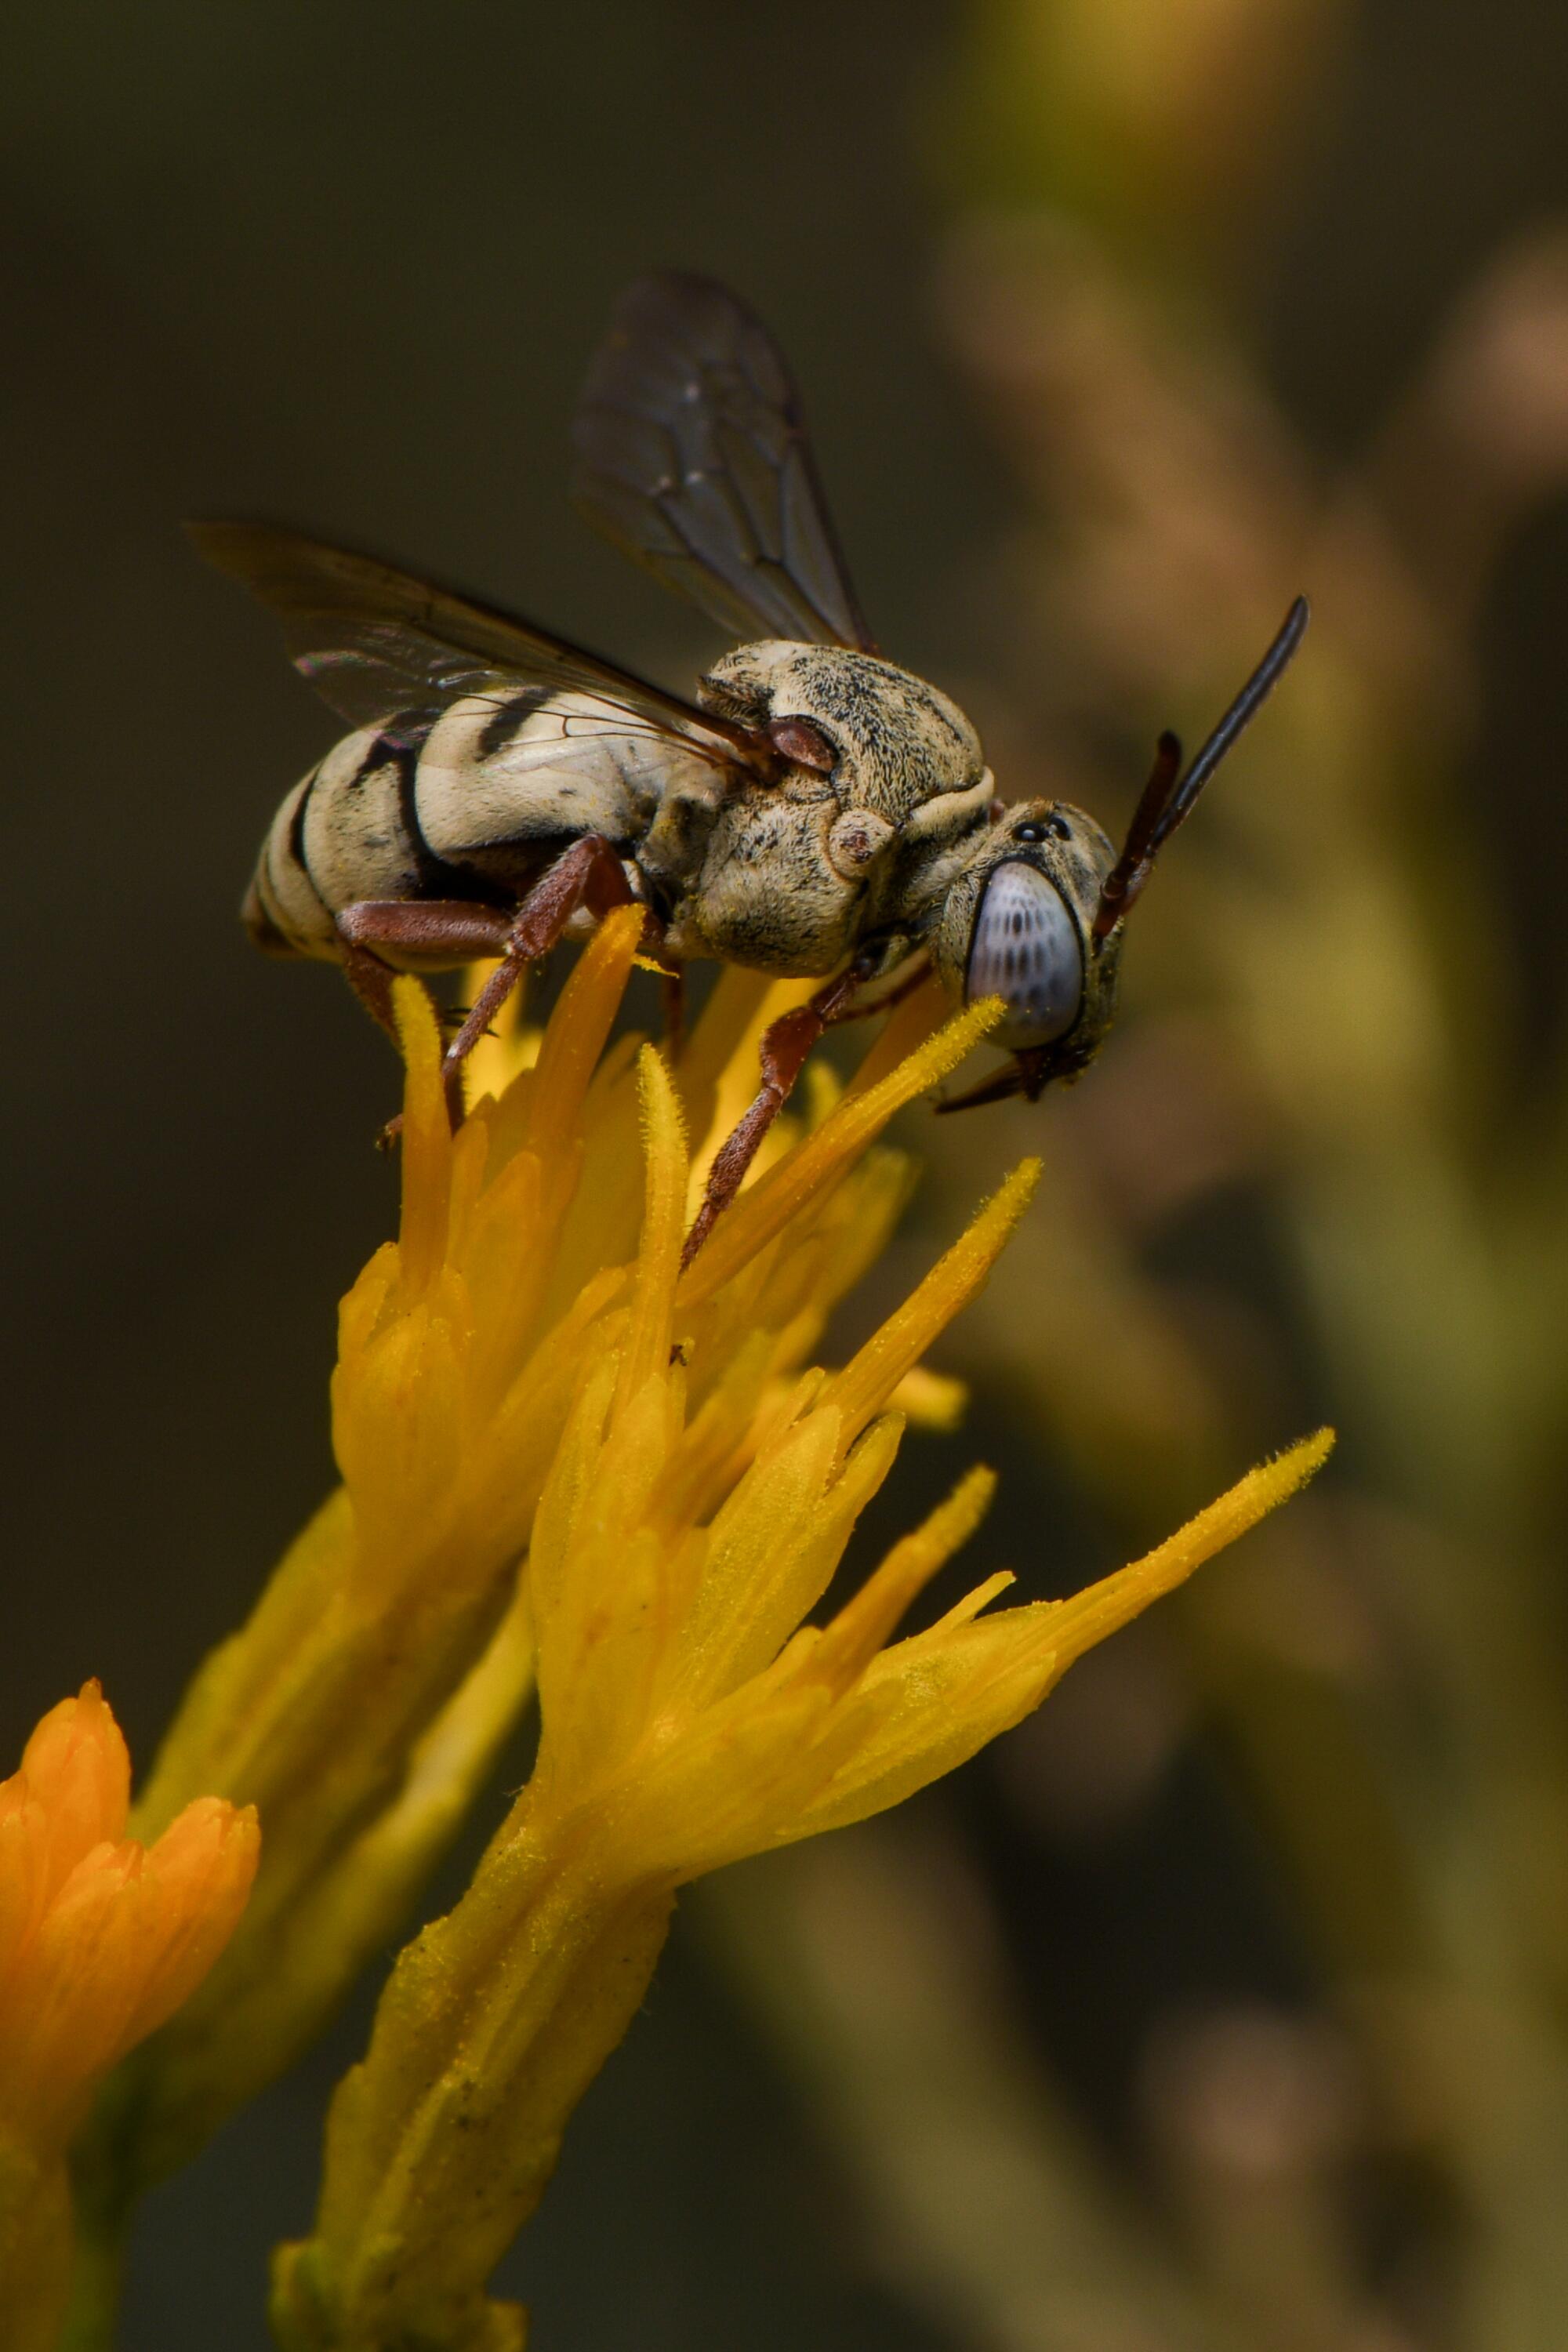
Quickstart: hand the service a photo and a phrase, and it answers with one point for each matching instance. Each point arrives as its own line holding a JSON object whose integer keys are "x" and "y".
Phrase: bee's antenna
{"x": 1169, "y": 795}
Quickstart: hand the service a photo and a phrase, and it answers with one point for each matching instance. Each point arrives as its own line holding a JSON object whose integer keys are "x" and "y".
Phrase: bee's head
{"x": 1034, "y": 912}
{"x": 1018, "y": 922}
{"x": 885, "y": 741}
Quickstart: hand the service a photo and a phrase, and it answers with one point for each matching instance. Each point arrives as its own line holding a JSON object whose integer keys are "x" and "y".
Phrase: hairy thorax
{"x": 769, "y": 895}
{"x": 897, "y": 742}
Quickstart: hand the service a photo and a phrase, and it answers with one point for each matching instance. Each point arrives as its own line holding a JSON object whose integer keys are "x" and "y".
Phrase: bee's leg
{"x": 783, "y": 1049}
{"x": 451, "y": 930}
{"x": 371, "y": 980}
{"x": 904, "y": 986}
{"x": 1028, "y": 1073}
{"x": 446, "y": 929}
{"x": 590, "y": 874}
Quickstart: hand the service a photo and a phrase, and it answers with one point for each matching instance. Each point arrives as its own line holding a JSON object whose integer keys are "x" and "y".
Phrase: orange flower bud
{"x": 100, "y": 1939}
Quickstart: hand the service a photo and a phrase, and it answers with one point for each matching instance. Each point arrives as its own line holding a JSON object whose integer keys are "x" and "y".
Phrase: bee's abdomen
{"x": 472, "y": 804}
{"x": 283, "y": 911}
{"x": 348, "y": 832}
{"x": 504, "y": 783}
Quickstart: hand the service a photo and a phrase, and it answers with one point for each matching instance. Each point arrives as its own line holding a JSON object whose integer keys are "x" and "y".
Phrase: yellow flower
{"x": 694, "y": 1513}
{"x": 526, "y": 1376}
{"x": 366, "y": 1698}
{"x": 100, "y": 1940}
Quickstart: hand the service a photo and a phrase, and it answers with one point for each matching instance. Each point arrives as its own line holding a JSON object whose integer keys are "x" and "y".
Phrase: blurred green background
{"x": 1189, "y": 2018}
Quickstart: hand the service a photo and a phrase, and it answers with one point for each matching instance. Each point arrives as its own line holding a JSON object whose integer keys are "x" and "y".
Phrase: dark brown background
{"x": 344, "y": 267}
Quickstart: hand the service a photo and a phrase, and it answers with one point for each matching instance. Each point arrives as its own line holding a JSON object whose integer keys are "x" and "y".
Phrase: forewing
{"x": 376, "y": 642}
{"x": 692, "y": 456}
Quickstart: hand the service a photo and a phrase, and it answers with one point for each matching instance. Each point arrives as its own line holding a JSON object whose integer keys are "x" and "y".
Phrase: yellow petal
{"x": 865, "y": 1384}
{"x": 931, "y": 1400}
{"x": 574, "y": 1039}
{"x": 767, "y": 1206}
{"x": 929, "y": 1704}
{"x": 427, "y": 1141}
{"x": 645, "y": 1349}
{"x": 201, "y": 1870}
{"x": 864, "y": 1623}
{"x": 933, "y": 1701}
{"x": 1090, "y": 1616}
{"x": 116, "y": 1939}
{"x": 774, "y": 1552}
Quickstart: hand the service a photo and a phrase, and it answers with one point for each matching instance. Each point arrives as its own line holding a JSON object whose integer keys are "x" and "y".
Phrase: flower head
{"x": 700, "y": 1493}
{"x": 100, "y": 1939}
{"x": 680, "y": 1691}
{"x": 362, "y": 1705}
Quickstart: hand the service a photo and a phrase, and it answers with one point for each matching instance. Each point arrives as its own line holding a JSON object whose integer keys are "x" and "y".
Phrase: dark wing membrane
{"x": 692, "y": 456}
{"x": 377, "y": 643}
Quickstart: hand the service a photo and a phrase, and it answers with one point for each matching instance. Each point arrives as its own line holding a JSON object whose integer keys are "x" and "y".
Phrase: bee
{"x": 816, "y": 812}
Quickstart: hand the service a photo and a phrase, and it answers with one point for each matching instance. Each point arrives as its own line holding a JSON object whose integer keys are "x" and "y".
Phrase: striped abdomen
{"x": 471, "y": 803}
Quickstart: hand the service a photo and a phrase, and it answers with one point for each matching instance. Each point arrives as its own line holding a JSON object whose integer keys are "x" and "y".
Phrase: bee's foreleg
{"x": 1028, "y": 1073}
{"x": 783, "y": 1052}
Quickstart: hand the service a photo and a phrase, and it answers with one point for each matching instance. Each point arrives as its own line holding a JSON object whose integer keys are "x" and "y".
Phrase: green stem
{"x": 98, "y": 2268}
{"x": 441, "y": 2142}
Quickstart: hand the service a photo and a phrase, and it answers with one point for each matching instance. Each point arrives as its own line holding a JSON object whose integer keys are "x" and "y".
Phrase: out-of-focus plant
{"x": 1327, "y": 1044}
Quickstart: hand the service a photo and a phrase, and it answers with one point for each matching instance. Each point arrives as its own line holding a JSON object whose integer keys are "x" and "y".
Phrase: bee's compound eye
{"x": 804, "y": 744}
{"x": 1026, "y": 950}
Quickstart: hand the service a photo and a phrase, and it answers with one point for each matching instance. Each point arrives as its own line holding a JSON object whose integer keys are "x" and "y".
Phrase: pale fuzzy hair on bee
{"x": 900, "y": 741}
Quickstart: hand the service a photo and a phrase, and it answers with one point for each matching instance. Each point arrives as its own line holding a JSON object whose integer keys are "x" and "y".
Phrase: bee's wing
{"x": 692, "y": 456}
{"x": 377, "y": 643}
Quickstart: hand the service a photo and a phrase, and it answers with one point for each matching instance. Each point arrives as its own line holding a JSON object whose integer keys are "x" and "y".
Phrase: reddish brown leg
{"x": 371, "y": 980}
{"x": 1026, "y": 1074}
{"x": 588, "y": 875}
{"x": 785, "y": 1047}
{"x": 448, "y": 930}
{"x": 453, "y": 930}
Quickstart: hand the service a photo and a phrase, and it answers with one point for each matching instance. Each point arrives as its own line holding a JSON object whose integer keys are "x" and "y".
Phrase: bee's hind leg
{"x": 455, "y": 930}
{"x": 451, "y": 930}
{"x": 371, "y": 980}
